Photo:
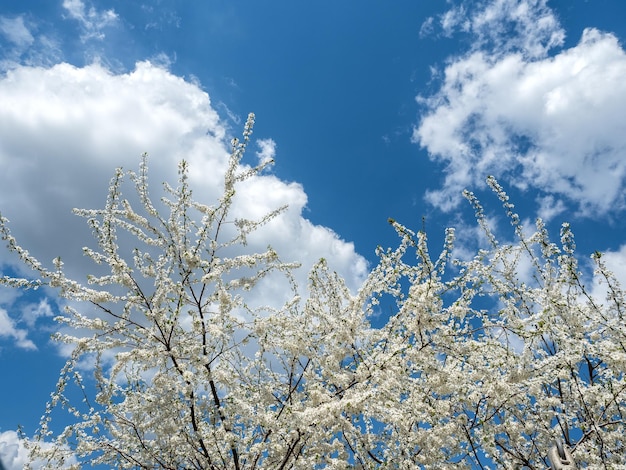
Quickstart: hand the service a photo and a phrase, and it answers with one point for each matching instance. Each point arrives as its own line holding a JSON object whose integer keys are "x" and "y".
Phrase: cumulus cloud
{"x": 92, "y": 21}
{"x": 553, "y": 124}
{"x": 64, "y": 129}
{"x": 14, "y": 454}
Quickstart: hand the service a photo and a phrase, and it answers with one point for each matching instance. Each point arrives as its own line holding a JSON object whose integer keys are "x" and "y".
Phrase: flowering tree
{"x": 475, "y": 366}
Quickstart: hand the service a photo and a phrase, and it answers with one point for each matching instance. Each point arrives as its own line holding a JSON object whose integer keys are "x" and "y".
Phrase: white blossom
{"x": 473, "y": 367}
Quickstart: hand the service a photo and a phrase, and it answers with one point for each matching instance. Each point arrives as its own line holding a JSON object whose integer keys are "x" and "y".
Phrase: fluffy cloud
{"x": 554, "y": 124}
{"x": 14, "y": 455}
{"x": 64, "y": 129}
{"x": 12, "y": 451}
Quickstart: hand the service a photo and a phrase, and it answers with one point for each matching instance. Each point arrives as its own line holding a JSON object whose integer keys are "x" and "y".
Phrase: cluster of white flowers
{"x": 187, "y": 375}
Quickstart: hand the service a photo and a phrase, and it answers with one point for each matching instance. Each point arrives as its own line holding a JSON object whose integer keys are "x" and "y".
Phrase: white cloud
{"x": 16, "y": 31}
{"x": 267, "y": 150}
{"x": 26, "y": 44}
{"x": 8, "y": 295}
{"x": 160, "y": 17}
{"x": 8, "y": 329}
{"x": 32, "y": 312}
{"x": 616, "y": 263}
{"x": 554, "y": 124}
{"x": 64, "y": 129}
{"x": 503, "y": 26}
{"x": 14, "y": 455}
{"x": 427, "y": 27}
{"x": 91, "y": 20}
{"x": 550, "y": 207}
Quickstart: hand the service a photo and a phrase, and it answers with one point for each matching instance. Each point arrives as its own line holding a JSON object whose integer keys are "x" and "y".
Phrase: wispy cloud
{"x": 16, "y": 31}
{"x": 26, "y": 44}
{"x": 92, "y": 21}
{"x": 160, "y": 17}
{"x": 502, "y": 26}
{"x": 9, "y": 329}
{"x": 33, "y": 312}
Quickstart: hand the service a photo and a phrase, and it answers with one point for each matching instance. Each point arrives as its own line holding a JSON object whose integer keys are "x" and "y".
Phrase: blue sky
{"x": 371, "y": 109}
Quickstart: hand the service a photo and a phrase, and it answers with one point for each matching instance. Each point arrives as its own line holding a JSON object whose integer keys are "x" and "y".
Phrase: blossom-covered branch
{"x": 475, "y": 366}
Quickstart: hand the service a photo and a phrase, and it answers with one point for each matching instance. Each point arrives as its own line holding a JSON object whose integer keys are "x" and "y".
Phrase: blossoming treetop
{"x": 188, "y": 374}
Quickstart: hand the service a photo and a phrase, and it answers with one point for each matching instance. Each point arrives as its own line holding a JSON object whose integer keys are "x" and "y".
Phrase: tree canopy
{"x": 482, "y": 360}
